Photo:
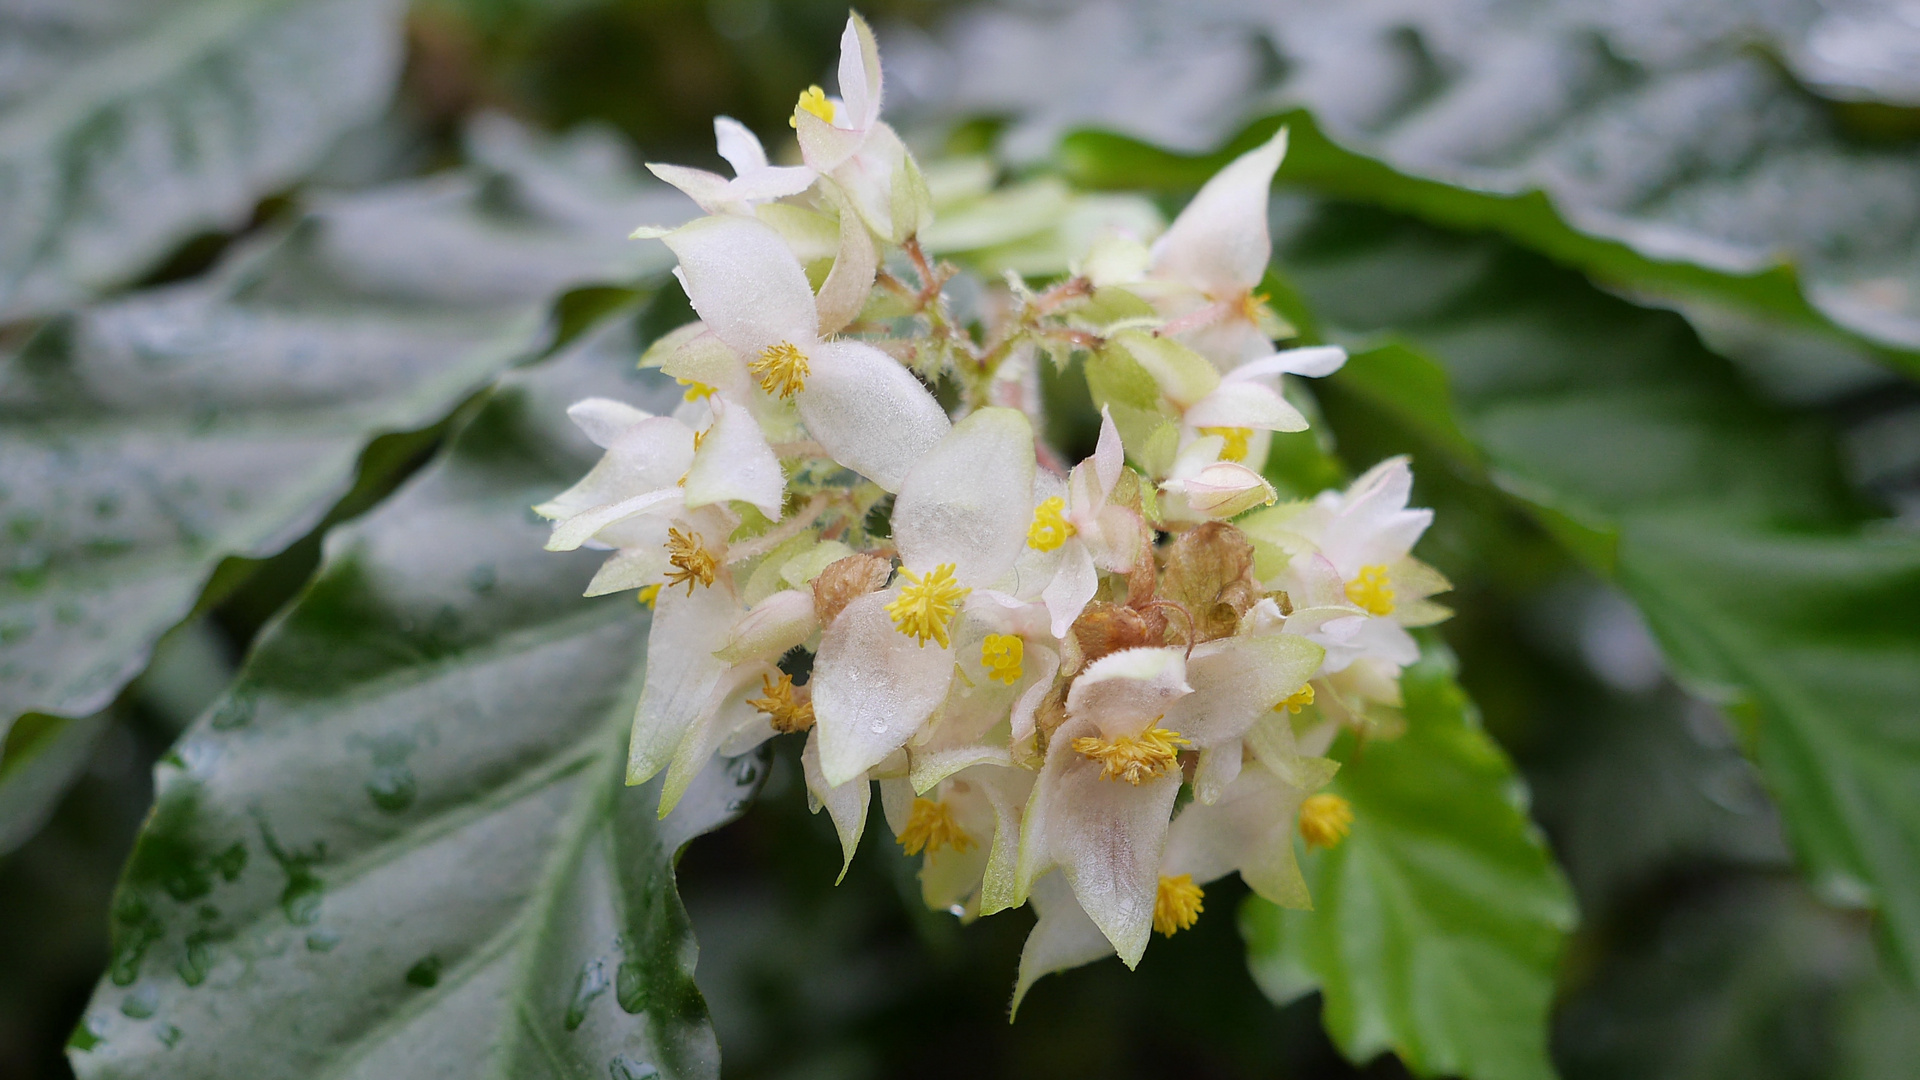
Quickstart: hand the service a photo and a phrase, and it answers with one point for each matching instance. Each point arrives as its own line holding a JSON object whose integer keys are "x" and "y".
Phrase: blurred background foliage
{"x": 1702, "y": 951}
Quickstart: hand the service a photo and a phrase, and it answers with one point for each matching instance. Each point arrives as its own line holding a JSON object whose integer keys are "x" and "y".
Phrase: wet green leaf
{"x": 1439, "y": 919}
{"x": 402, "y": 844}
{"x": 126, "y": 127}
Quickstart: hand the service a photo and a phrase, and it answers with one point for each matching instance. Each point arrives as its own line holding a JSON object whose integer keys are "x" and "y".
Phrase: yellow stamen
{"x": 1371, "y": 592}
{"x": 1050, "y": 526}
{"x": 1325, "y": 819}
{"x": 696, "y": 390}
{"x": 1236, "y": 448}
{"x": 1252, "y": 306}
{"x": 1135, "y": 759}
{"x": 785, "y": 714}
{"x": 814, "y": 100}
{"x": 649, "y": 595}
{"x": 691, "y": 561}
{"x": 1300, "y": 700}
{"x": 926, "y": 607}
{"x": 1002, "y": 655}
{"x": 930, "y": 827}
{"x": 782, "y": 369}
{"x": 1176, "y": 905}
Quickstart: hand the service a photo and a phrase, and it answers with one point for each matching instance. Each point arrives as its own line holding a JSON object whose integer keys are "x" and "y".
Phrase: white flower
{"x": 846, "y": 140}
{"x": 959, "y": 524}
{"x": 1216, "y": 252}
{"x": 754, "y": 181}
{"x": 967, "y": 830}
{"x": 869, "y": 413}
{"x": 1078, "y": 533}
{"x": 1247, "y": 404}
{"x": 1101, "y": 806}
{"x": 657, "y": 470}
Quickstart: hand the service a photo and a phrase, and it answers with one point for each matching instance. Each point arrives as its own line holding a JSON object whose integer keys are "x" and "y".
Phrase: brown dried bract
{"x": 844, "y": 581}
{"x": 1209, "y": 572}
{"x": 1107, "y": 628}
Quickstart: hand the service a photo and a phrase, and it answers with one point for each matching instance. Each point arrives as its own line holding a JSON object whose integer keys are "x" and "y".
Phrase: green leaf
{"x": 127, "y": 127}
{"x": 401, "y": 842}
{"x": 147, "y": 440}
{"x": 1770, "y": 587}
{"x": 1439, "y": 918}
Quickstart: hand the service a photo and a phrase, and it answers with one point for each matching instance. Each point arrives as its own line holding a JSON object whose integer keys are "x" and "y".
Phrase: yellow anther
{"x": 925, "y": 608}
{"x": 649, "y": 595}
{"x": 691, "y": 561}
{"x": 1002, "y": 654}
{"x": 1325, "y": 819}
{"x": 1176, "y": 905}
{"x": 1371, "y": 592}
{"x": 930, "y": 827}
{"x": 813, "y": 100}
{"x": 1236, "y": 437}
{"x": 1050, "y": 526}
{"x": 782, "y": 369}
{"x": 696, "y": 390}
{"x": 1252, "y": 306}
{"x": 1301, "y": 699}
{"x": 698, "y": 438}
{"x": 1134, "y": 758}
{"x": 785, "y": 714}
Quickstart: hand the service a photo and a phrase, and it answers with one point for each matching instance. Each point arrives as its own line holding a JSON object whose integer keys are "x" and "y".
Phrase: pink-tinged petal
{"x": 873, "y": 687}
{"x": 1107, "y": 836}
{"x": 730, "y": 713}
{"x": 1219, "y": 766}
{"x": 1219, "y": 243}
{"x": 1123, "y": 537}
{"x": 604, "y": 420}
{"x": 1109, "y": 457}
{"x": 632, "y": 568}
{"x": 1042, "y": 664}
{"x": 682, "y": 673}
{"x": 1246, "y": 405}
{"x": 1126, "y": 691}
{"x": 745, "y": 283}
{"x": 823, "y": 146}
{"x": 1061, "y": 939}
{"x": 859, "y": 75}
{"x": 708, "y": 190}
{"x": 1249, "y": 829}
{"x": 1222, "y": 489}
{"x": 869, "y": 413}
{"x": 1005, "y": 791}
{"x": 571, "y": 532}
{"x": 740, "y": 146}
{"x": 967, "y": 500}
{"x": 1072, "y": 587}
{"x": 846, "y": 803}
{"x": 773, "y": 626}
{"x": 1238, "y": 680}
{"x": 1313, "y": 362}
{"x": 735, "y": 462}
{"x": 850, "y": 281}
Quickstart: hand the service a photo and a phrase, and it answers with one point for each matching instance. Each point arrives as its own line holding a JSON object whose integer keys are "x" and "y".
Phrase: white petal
{"x": 1043, "y": 664}
{"x": 1246, "y": 405}
{"x": 707, "y": 189}
{"x": 745, "y": 283}
{"x": 735, "y": 462}
{"x": 770, "y": 182}
{"x": 1313, "y": 362}
{"x": 682, "y": 673}
{"x": 823, "y": 146}
{"x": 578, "y": 529}
{"x": 1219, "y": 765}
{"x": 1072, "y": 587}
{"x": 846, "y": 803}
{"x": 859, "y": 74}
{"x": 1238, "y": 680}
{"x": 1107, "y": 835}
{"x": 850, "y": 281}
{"x": 729, "y": 713}
{"x": 1063, "y": 937}
{"x": 775, "y": 624}
{"x": 604, "y": 420}
{"x": 1108, "y": 455}
{"x": 1123, "y": 692}
{"x": 1219, "y": 243}
{"x": 966, "y": 501}
{"x": 1249, "y": 829}
{"x": 872, "y": 687}
{"x": 649, "y": 455}
{"x": 632, "y": 568}
{"x": 869, "y": 413}
{"x": 740, "y": 146}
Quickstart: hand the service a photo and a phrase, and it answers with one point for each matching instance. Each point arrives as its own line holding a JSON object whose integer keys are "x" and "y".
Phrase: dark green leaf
{"x": 1439, "y": 919}
{"x": 128, "y": 126}
{"x": 148, "y": 439}
{"x": 1727, "y": 521}
{"x": 401, "y": 845}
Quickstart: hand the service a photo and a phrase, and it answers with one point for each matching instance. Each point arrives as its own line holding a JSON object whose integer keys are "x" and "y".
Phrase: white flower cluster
{"x": 1032, "y": 660}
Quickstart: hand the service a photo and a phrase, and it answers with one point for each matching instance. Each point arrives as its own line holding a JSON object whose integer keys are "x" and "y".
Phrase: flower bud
{"x": 1223, "y": 489}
